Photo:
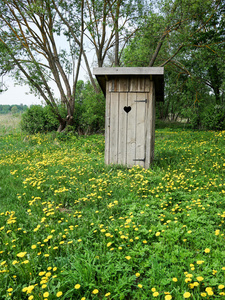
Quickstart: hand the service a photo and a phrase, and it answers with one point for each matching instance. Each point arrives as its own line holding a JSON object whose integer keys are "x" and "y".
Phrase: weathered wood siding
{"x": 130, "y": 121}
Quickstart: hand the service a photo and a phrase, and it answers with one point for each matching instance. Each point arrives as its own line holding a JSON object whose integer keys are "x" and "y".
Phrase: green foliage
{"x": 210, "y": 117}
{"x": 39, "y": 119}
{"x": 5, "y": 108}
{"x": 89, "y": 116}
{"x": 89, "y": 109}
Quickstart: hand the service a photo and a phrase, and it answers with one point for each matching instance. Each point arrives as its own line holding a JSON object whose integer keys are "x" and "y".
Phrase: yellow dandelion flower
{"x": 21, "y": 254}
{"x": 203, "y": 294}
{"x": 199, "y": 278}
{"x": 157, "y": 233}
{"x": 128, "y": 257}
{"x": 155, "y": 294}
{"x": 95, "y": 291}
{"x": 207, "y": 250}
{"x": 46, "y": 294}
{"x": 217, "y": 232}
{"x": 59, "y": 294}
{"x": 140, "y": 286}
{"x": 186, "y": 295}
{"x": 199, "y": 262}
{"x": 174, "y": 279}
{"x": 77, "y": 286}
{"x": 107, "y": 294}
{"x": 168, "y": 297}
{"x": 221, "y": 286}
{"x": 137, "y": 274}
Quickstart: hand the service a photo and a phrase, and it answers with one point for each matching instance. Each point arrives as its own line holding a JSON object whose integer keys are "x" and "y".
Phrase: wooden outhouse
{"x": 130, "y": 113}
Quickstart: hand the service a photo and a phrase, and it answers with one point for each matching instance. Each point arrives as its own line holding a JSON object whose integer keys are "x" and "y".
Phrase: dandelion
{"x": 174, "y": 279}
{"x": 46, "y": 294}
{"x": 168, "y": 297}
{"x": 217, "y": 232}
{"x": 187, "y": 295}
{"x": 207, "y": 250}
{"x": 128, "y": 257}
{"x": 203, "y": 294}
{"x": 137, "y": 274}
{"x": 199, "y": 262}
{"x": 21, "y": 254}
{"x": 59, "y": 294}
{"x": 199, "y": 278}
{"x": 221, "y": 286}
{"x": 31, "y": 297}
{"x": 33, "y": 247}
{"x": 77, "y": 286}
{"x": 155, "y": 294}
{"x": 157, "y": 233}
{"x": 95, "y": 291}
{"x": 140, "y": 286}
{"x": 209, "y": 291}
{"x": 107, "y": 294}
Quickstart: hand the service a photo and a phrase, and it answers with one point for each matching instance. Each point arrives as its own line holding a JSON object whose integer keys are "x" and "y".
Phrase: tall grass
{"x": 73, "y": 228}
{"x": 9, "y": 123}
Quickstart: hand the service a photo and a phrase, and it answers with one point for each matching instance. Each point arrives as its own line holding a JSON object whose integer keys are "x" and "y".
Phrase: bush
{"x": 89, "y": 109}
{"x": 89, "y": 115}
{"x": 211, "y": 117}
{"x": 38, "y": 119}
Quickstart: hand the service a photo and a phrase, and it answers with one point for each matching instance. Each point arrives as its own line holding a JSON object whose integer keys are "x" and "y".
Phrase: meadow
{"x": 73, "y": 228}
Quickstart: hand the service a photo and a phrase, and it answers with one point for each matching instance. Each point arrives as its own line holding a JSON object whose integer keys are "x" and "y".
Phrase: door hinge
{"x": 141, "y": 100}
{"x": 139, "y": 159}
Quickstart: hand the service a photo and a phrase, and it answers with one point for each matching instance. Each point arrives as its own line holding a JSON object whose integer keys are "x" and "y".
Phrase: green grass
{"x": 73, "y": 228}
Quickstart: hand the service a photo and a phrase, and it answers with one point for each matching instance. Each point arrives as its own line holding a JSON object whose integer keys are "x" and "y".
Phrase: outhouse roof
{"x": 156, "y": 74}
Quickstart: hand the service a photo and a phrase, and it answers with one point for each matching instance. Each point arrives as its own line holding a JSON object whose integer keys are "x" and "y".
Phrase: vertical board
{"x": 150, "y": 126}
{"x": 122, "y": 128}
{"x": 114, "y": 129}
{"x": 131, "y": 129}
{"x": 107, "y": 124}
{"x": 140, "y": 129}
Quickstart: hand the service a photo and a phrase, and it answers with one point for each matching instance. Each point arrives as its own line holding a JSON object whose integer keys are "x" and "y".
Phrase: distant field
{"x": 72, "y": 228}
{"x": 9, "y": 123}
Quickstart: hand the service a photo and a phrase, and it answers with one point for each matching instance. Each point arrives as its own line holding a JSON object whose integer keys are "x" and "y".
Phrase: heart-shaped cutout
{"x": 127, "y": 109}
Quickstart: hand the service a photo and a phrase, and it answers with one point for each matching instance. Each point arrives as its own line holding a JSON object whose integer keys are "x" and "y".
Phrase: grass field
{"x": 73, "y": 228}
{"x": 9, "y": 123}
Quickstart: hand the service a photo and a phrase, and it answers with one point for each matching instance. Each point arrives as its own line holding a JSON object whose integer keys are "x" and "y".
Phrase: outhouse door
{"x": 130, "y": 113}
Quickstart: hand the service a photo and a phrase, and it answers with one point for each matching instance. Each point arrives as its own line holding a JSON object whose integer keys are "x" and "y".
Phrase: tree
{"x": 185, "y": 37}
{"x": 29, "y": 31}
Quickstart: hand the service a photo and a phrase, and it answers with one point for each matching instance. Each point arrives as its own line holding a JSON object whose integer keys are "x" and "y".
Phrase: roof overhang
{"x": 156, "y": 74}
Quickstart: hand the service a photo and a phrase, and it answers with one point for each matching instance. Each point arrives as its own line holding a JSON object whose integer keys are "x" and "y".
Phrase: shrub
{"x": 38, "y": 119}
{"x": 211, "y": 117}
{"x": 89, "y": 109}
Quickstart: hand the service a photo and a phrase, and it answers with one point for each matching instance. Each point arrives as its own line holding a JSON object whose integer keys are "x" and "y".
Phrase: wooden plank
{"x": 131, "y": 130}
{"x": 113, "y": 157}
{"x": 133, "y": 84}
{"x": 150, "y": 126}
{"x": 140, "y": 129}
{"x": 107, "y": 124}
{"x": 129, "y": 71}
{"x": 123, "y": 84}
{"x": 147, "y": 84}
{"x": 122, "y": 140}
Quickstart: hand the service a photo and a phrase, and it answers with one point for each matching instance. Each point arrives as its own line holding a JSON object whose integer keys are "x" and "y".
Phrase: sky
{"x": 17, "y": 94}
